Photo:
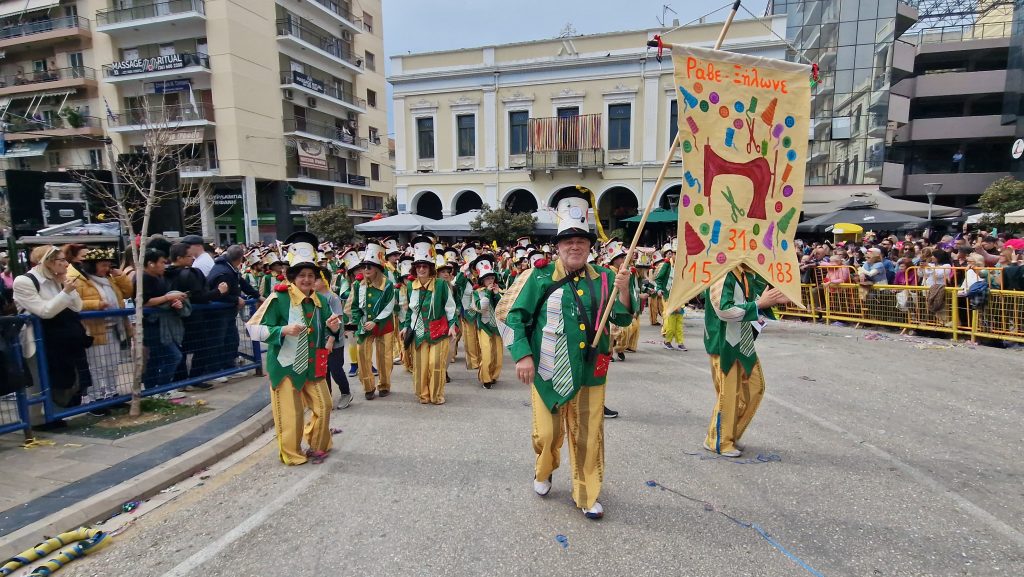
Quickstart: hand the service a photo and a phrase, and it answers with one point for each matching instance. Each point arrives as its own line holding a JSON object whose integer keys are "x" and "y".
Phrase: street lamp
{"x": 931, "y": 189}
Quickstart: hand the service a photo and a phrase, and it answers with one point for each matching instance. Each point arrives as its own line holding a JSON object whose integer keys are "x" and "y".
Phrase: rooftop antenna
{"x": 568, "y": 31}
{"x": 665, "y": 9}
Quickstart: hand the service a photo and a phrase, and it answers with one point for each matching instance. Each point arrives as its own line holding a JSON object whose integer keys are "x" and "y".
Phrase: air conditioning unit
{"x": 353, "y": 155}
{"x": 288, "y": 94}
{"x": 346, "y": 35}
{"x": 311, "y": 102}
{"x": 353, "y": 116}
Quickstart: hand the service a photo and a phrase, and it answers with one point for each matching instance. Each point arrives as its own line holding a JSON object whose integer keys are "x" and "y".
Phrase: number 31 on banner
{"x": 782, "y": 272}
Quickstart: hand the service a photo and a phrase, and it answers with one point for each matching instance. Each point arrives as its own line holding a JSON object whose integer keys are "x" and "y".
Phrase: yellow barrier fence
{"x": 837, "y": 296}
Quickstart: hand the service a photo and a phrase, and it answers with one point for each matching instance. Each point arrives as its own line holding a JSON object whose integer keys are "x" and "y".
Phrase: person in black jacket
{"x": 182, "y": 276}
{"x": 227, "y": 269}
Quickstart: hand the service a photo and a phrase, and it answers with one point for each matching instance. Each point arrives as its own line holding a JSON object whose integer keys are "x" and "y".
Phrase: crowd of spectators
{"x": 86, "y": 356}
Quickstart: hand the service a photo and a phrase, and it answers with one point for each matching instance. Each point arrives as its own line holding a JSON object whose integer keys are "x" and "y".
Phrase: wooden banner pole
{"x": 654, "y": 195}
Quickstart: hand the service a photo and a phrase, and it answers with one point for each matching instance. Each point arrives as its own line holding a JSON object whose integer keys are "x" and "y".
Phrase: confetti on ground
{"x": 130, "y": 506}
{"x": 335, "y": 431}
{"x": 563, "y": 541}
{"x": 806, "y": 378}
{"x": 36, "y": 443}
{"x": 760, "y": 459}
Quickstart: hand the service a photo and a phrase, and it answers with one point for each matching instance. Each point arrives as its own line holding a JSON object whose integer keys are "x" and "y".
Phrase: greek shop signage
{"x": 308, "y": 82}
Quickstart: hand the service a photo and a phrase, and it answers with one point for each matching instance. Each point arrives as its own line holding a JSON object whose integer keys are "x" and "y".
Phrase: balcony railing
{"x": 194, "y": 165}
{"x": 326, "y": 42}
{"x": 328, "y": 175}
{"x": 42, "y": 26}
{"x": 316, "y": 85}
{"x": 144, "y": 11}
{"x": 22, "y": 125}
{"x": 592, "y": 158}
{"x": 960, "y": 33}
{"x": 339, "y": 10}
{"x": 324, "y": 130}
{"x": 156, "y": 115}
{"x": 21, "y": 78}
{"x": 565, "y": 142}
{"x": 156, "y": 64}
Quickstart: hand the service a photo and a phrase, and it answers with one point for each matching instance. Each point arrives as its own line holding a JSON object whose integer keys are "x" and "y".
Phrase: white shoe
{"x": 542, "y": 488}
{"x": 730, "y": 453}
{"x": 595, "y": 512}
{"x": 218, "y": 380}
{"x": 344, "y": 401}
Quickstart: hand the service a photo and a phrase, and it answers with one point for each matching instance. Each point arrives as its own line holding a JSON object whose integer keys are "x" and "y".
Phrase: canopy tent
{"x": 661, "y": 215}
{"x": 875, "y": 198}
{"x": 868, "y": 217}
{"x": 1015, "y": 217}
{"x": 457, "y": 225}
{"x": 399, "y": 223}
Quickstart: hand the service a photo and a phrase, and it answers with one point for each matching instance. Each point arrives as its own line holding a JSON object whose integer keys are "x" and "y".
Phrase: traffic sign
{"x": 1018, "y": 149}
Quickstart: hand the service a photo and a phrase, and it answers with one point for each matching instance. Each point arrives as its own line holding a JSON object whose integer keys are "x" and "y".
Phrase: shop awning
{"x": 24, "y": 149}
{"x": 18, "y": 6}
{"x": 847, "y": 197}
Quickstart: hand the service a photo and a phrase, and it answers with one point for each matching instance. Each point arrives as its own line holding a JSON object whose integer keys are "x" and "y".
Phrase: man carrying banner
{"x": 548, "y": 319}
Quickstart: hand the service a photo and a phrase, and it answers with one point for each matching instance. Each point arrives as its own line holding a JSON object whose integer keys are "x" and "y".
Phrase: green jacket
{"x": 730, "y": 308}
{"x": 525, "y": 317}
{"x": 428, "y": 303}
{"x": 280, "y": 310}
{"x": 663, "y": 277}
{"x": 485, "y": 305}
{"x": 464, "y": 296}
{"x": 372, "y": 303}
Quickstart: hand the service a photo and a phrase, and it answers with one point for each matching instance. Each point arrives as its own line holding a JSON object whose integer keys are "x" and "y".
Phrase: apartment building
{"x": 520, "y": 125}
{"x": 277, "y": 105}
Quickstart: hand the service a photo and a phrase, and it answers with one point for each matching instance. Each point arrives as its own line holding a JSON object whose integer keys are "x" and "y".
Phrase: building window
{"x": 343, "y": 199}
{"x": 371, "y": 98}
{"x": 55, "y": 159}
{"x": 96, "y": 158}
{"x": 374, "y": 171}
{"x": 373, "y": 203}
{"x": 467, "y": 134}
{"x": 618, "y": 126}
{"x": 368, "y": 22}
{"x": 517, "y": 133}
{"x": 425, "y": 134}
{"x": 371, "y": 61}
{"x": 75, "y": 60}
{"x": 673, "y": 120}
{"x": 374, "y": 135}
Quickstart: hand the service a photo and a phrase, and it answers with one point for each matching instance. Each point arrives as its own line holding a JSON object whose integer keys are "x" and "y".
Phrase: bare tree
{"x": 135, "y": 190}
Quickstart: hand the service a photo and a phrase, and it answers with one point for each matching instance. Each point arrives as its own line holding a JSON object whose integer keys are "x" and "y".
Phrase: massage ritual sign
{"x": 743, "y": 124}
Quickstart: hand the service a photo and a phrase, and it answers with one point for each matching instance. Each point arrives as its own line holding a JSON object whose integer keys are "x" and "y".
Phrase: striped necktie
{"x": 302, "y": 347}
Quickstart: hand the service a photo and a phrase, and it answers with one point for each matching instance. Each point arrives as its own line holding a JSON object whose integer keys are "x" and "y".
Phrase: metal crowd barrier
{"x": 906, "y": 306}
{"x": 209, "y": 348}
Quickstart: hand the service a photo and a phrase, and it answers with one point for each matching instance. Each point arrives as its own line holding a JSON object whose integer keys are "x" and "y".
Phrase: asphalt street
{"x": 872, "y": 455}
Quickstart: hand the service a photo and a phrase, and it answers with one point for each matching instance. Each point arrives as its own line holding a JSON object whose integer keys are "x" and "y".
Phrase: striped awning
{"x": 8, "y": 7}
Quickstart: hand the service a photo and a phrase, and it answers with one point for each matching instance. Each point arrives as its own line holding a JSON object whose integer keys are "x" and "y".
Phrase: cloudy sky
{"x": 427, "y": 25}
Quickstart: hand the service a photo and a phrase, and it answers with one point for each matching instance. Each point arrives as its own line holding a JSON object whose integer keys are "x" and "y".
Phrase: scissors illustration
{"x": 736, "y": 211}
{"x": 752, "y": 145}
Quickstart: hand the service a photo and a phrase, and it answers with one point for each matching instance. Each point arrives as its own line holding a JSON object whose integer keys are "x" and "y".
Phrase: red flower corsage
{"x": 410, "y": 278}
{"x": 541, "y": 263}
{"x": 280, "y": 277}
{"x": 281, "y": 288}
{"x": 514, "y": 272}
{"x": 632, "y": 269}
{"x": 359, "y": 276}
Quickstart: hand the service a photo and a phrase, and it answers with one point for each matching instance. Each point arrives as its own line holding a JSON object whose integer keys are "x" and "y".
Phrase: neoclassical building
{"x": 519, "y": 125}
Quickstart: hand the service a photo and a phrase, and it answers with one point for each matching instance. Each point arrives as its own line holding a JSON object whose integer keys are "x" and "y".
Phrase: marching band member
{"x": 467, "y": 316}
{"x": 373, "y": 313}
{"x": 430, "y": 324}
{"x": 484, "y": 304}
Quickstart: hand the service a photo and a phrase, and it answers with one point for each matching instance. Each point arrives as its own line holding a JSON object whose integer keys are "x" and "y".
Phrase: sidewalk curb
{"x": 138, "y": 488}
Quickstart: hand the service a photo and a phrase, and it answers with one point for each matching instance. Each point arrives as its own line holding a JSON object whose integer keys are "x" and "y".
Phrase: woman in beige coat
{"x": 103, "y": 287}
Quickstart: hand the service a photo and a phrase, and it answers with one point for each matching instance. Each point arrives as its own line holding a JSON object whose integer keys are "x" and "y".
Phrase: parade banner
{"x": 743, "y": 125}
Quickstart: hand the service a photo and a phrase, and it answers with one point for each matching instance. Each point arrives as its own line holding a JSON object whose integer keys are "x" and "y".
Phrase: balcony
{"x": 154, "y": 23}
{"x": 959, "y": 183}
{"x": 21, "y": 83}
{"x": 960, "y": 83}
{"x": 325, "y": 177}
{"x": 306, "y": 42}
{"x": 318, "y": 8}
{"x": 565, "y": 143}
{"x": 169, "y": 66}
{"x": 343, "y": 102}
{"x": 199, "y": 168}
{"x": 955, "y": 129}
{"x": 175, "y": 116}
{"x": 44, "y": 32}
{"x": 21, "y": 129}
{"x": 324, "y": 133}
{"x": 903, "y": 57}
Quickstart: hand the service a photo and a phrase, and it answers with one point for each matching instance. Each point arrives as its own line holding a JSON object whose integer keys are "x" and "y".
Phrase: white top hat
{"x": 441, "y": 262}
{"x": 351, "y": 259}
{"x": 405, "y": 267}
{"x": 535, "y": 256}
{"x": 374, "y": 254}
{"x": 521, "y": 253}
{"x": 613, "y": 249}
{"x": 423, "y": 250}
{"x": 469, "y": 254}
{"x": 391, "y": 246}
{"x": 666, "y": 247}
{"x": 523, "y": 241}
{"x": 484, "y": 266}
{"x": 573, "y": 219}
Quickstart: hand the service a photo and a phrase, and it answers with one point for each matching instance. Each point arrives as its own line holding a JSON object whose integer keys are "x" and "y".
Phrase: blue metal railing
{"x": 249, "y": 351}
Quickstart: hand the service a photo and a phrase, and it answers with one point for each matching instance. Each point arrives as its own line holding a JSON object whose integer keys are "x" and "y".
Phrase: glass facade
{"x": 852, "y": 43}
